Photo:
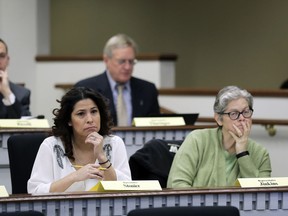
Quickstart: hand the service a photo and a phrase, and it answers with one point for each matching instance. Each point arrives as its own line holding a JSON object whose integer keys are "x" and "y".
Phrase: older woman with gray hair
{"x": 218, "y": 156}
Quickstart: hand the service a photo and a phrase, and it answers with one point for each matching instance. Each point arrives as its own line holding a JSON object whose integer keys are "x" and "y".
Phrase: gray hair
{"x": 2, "y": 41}
{"x": 119, "y": 41}
{"x": 228, "y": 94}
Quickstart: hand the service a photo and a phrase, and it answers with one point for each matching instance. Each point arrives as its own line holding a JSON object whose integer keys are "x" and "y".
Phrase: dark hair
{"x": 2, "y": 41}
{"x": 63, "y": 115}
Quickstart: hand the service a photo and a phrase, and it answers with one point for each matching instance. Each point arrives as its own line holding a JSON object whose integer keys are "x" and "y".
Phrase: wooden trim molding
{"x": 142, "y": 57}
{"x": 200, "y": 92}
{"x": 213, "y": 92}
{"x": 269, "y": 125}
{"x": 64, "y": 86}
{"x": 164, "y": 192}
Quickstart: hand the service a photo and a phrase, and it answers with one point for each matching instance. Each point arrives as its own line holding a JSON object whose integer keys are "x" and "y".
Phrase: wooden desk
{"x": 134, "y": 139}
{"x": 250, "y": 202}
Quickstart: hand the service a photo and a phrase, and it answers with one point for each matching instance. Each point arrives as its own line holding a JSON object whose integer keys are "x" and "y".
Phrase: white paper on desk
{"x": 3, "y": 191}
{"x": 142, "y": 185}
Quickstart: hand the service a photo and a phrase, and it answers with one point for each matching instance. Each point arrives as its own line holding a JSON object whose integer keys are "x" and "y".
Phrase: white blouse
{"x": 51, "y": 165}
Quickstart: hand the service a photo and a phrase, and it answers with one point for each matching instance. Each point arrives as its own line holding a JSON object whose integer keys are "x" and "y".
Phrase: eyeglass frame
{"x": 239, "y": 113}
{"x": 131, "y": 62}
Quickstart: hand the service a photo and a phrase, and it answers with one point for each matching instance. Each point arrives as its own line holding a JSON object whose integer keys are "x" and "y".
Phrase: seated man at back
{"x": 140, "y": 96}
{"x": 14, "y": 99}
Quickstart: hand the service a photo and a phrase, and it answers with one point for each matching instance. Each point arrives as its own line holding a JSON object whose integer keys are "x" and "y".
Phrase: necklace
{"x": 77, "y": 158}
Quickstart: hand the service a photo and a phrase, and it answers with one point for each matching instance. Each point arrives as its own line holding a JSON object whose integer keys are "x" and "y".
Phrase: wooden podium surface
{"x": 252, "y": 201}
{"x": 133, "y": 137}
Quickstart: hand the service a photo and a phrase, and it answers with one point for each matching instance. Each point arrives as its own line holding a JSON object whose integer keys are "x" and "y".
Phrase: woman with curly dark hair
{"x": 82, "y": 150}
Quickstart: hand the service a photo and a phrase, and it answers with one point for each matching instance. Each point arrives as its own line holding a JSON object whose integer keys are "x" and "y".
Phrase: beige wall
{"x": 218, "y": 42}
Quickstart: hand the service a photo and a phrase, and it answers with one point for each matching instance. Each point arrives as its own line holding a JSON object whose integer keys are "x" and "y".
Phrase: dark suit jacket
{"x": 21, "y": 105}
{"x": 144, "y": 95}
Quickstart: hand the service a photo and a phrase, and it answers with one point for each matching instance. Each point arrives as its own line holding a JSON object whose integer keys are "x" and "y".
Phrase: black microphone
{"x": 40, "y": 117}
{"x": 36, "y": 117}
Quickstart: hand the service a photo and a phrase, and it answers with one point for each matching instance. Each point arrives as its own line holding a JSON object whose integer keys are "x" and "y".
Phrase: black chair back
{"x": 153, "y": 160}
{"x": 187, "y": 211}
{"x": 22, "y": 151}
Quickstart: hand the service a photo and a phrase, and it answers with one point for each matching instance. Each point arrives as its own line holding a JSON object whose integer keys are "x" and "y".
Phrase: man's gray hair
{"x": 119, "y": 41}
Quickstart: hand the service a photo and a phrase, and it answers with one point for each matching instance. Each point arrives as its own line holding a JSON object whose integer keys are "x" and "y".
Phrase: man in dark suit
{"x": 140, "y": 96}
{"x": 14, "y": 99}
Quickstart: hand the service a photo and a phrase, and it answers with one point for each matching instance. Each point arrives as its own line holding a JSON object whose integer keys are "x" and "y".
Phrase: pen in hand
{"x": 80, "y": 166}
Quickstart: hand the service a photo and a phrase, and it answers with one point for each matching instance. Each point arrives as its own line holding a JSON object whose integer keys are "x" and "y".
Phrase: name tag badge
{"x": 127, "y": 186}
{"x": 158, "y": 121}
{"x": 262, "y": 182}
{"x": 3, "y": 191}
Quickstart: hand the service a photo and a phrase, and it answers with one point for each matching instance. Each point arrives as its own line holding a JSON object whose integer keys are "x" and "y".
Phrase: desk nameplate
{"x": 24, "y": 123}
{"x": 262, "y": 182}
{"x": 158, "y": 121}
{"x": 127, "y": 186}
{"x": 3, "y": 191}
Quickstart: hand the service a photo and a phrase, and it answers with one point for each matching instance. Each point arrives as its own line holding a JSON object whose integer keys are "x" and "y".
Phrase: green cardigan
{"x": 202, "y": 161}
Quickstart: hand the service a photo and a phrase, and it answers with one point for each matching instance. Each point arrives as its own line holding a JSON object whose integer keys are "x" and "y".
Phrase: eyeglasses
{"x": 234, "y": 115}
{"x": 124, "y": 61}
